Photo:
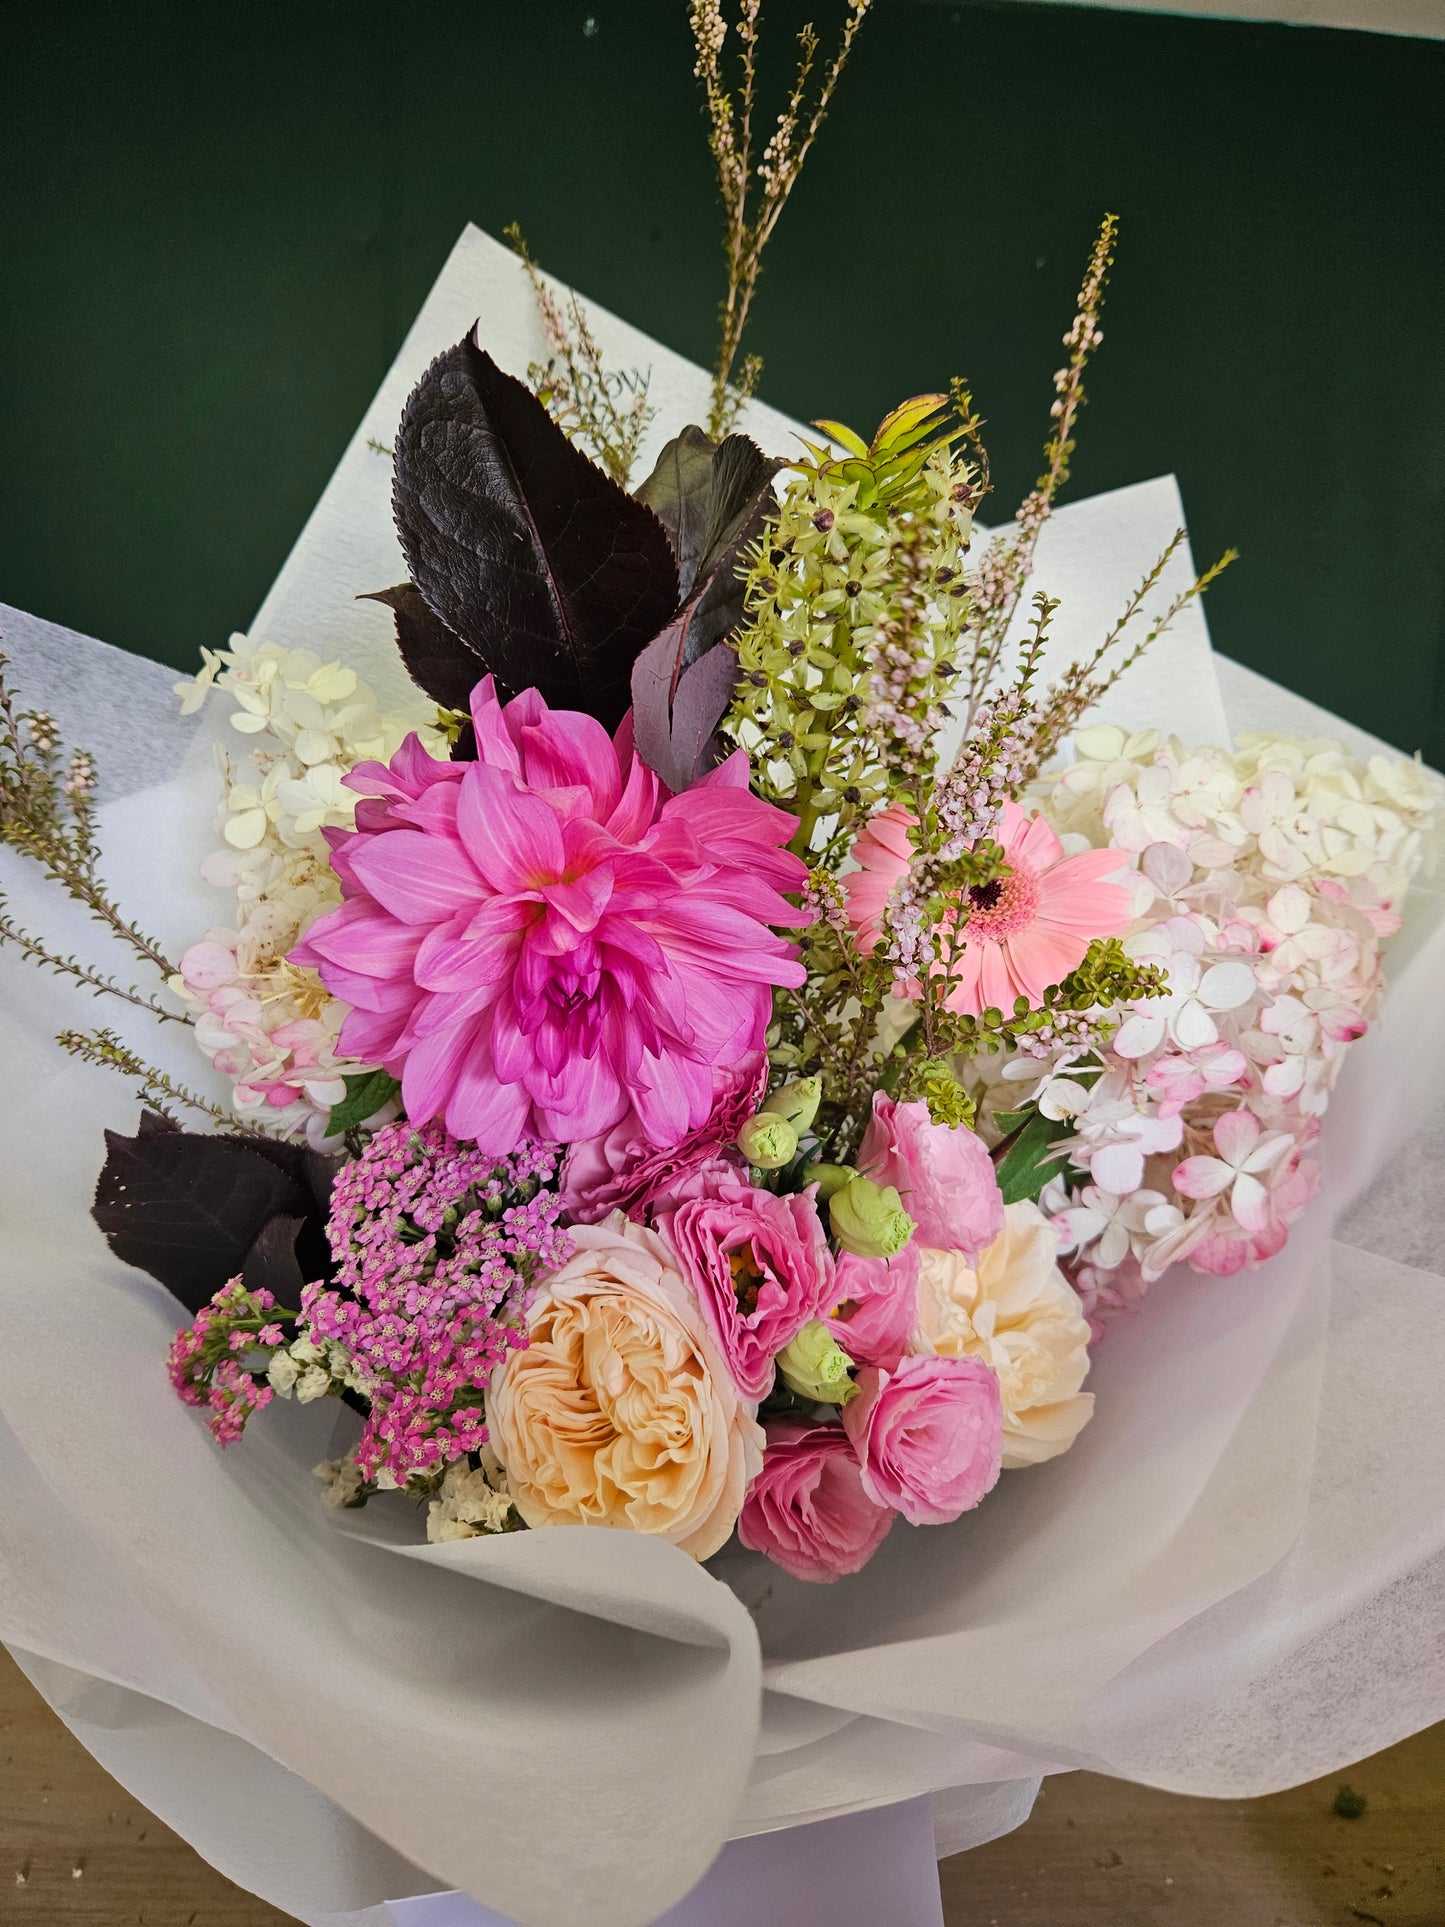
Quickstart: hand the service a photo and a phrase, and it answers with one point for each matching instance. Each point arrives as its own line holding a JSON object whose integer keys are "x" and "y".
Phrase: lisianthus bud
{"x": 798, "y": 1102}
{"x": 868, "y": 1219}
{"x": 768, "y": 1142}
{"x": 815, "y": 1365}
{"x": 828, "y": 1178}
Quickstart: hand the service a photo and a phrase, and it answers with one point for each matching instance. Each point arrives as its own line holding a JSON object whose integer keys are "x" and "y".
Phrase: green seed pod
{"x": 768, "y": 1142}
{"x": 828, "y": 1178}
{"x": 798, "y": 1102}
{"x": 816, "y": 1367}
{"x": 869, "y": 1220}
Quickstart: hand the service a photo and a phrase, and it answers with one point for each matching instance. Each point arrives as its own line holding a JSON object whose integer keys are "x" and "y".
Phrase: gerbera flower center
{"x": 1003, "y": 907}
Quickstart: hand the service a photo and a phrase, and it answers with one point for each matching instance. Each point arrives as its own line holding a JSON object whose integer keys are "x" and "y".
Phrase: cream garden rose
{"x": 1020, "y": 1315}
{"x": 620, "y": 1411}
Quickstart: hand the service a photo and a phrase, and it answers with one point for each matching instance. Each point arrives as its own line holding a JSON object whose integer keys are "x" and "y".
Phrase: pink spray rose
{"x": 622, "y": 1171}
{"x": 876, "y": 1305}
{"x": 543, "y": 940}
{"x": 928, "y": 1435}
{"x": 807, "y": 1509}
{"x": 942, "y": 1172}
{"x": 760, "y": 1266}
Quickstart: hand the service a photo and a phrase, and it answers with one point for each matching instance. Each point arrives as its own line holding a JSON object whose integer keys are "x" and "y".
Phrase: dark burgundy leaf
{"x": 711, "y": 498}
{"x": 679, "y": 491}
{"x": 437, "y": 661}
{"x": 533, "y": 557}
{"x": 272, "y": 1265}
{"x": 188, "y": 1209}
{"x": 675, "y": 722}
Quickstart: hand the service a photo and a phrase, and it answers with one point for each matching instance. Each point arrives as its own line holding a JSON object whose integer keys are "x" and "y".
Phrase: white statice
{"x": 303, "y": 724}
{"x": 472, "y": 1501}
{"x": 305, "y": 1370}
{"x": 1263, "y": 883}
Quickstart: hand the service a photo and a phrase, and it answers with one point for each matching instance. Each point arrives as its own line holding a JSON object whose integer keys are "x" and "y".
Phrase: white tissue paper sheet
{"x": 1235, "y": 1581}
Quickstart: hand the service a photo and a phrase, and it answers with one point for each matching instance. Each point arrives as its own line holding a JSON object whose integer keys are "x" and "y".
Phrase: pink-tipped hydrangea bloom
{"x": 542, "y": 940}
{"x": 1025, "y": 931}
{"x": 807, "y": 1509}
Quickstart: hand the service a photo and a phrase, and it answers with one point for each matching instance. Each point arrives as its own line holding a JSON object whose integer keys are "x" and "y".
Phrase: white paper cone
{"x": 1229, "y": 1585}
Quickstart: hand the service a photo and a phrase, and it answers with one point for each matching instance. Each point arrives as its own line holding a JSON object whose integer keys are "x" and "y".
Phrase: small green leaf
{"x": 1031, "y": 1160}
{"x": 365, "y": 1095}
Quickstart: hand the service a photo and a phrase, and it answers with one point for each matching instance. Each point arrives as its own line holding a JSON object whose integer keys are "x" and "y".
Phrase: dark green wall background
{"x": 217, "y": 223}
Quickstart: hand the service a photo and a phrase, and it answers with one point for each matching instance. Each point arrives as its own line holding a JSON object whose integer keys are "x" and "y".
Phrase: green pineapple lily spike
{"x": 885, "y": 469}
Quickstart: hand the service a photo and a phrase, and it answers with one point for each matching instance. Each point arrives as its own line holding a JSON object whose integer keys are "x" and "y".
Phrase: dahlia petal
{"x": 362, "y": 937}
{"x": 495, "y": 744}
{"x": 570, "y": 750}
{"x": 420, "y": 879}
{"x": 493, "y": 1115}
{"x": 513, "y": 838}
{"x": 435, "y": 1064}
{"x": 595, "y": 1102}
{"x": 472, "y": 949}
{"x": 372, "y": 1037}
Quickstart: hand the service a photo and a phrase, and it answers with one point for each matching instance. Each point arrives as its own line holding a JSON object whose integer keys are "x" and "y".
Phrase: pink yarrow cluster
{"x": 206, "y": 1361}
{"x": 435, "y": 1243}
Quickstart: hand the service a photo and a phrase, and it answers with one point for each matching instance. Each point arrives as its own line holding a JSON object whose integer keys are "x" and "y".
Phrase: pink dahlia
{"x": 1026, "y": 930}
{"x": 543, "y": 940}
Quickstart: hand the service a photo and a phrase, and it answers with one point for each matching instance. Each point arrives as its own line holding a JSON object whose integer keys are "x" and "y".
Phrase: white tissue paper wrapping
{"x": 1234, "y": 1581}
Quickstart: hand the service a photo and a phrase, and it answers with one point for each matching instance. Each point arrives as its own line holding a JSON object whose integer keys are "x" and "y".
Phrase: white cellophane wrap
{"x": 1235, "y": 1580}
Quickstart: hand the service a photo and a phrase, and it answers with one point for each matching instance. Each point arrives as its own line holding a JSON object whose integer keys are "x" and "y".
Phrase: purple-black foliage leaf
{"x": 713, "y": 499}
{"x": 188, "y": 1208}
{"x": 438, "y": 662}
{"x": 272, "y": 1264}
{"x": 525, "y": 550}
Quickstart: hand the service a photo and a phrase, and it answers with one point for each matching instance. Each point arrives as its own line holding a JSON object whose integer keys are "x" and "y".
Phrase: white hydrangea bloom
{"x": 1263, "y": 884}
{"x": 271, "y": 1027}
{"x": 468, "y": 1505}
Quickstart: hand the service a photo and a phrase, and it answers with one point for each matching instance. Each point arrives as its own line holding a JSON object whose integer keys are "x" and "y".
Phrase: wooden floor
{"x": 1097, "y": 1853}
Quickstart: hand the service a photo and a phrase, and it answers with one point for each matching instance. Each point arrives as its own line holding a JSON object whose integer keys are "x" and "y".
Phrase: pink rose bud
{"x": 928, "y": 1435}
{"x": 942, "y": 1172}
{"x": 807, "y": 1509}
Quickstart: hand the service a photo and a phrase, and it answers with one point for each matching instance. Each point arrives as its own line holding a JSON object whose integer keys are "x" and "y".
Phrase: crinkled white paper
{"x": 1232, "y": 1583}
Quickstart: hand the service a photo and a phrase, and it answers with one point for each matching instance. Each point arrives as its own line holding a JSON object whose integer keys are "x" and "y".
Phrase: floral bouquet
{"x": 711, "y": 1059}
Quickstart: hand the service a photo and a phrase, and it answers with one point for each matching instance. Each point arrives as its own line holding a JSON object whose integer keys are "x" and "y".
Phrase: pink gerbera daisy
{"x": 1026, "y": 930}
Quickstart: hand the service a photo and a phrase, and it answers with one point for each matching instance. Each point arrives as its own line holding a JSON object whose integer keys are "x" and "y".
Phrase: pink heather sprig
{"x": 435, "y": 1244}
{"x": 206, "y": 1361}
{"x": 993, "y": 766}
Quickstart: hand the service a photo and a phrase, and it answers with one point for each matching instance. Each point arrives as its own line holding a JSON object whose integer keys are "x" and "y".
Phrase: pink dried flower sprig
{"x": 220, "y": 1361}
{"x": 435, "y": 1244}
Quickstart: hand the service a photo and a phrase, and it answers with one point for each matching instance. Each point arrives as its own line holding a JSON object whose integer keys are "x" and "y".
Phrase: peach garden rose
{"x": 620, "y": 1411}
{"x": 1019, "y": 1314}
